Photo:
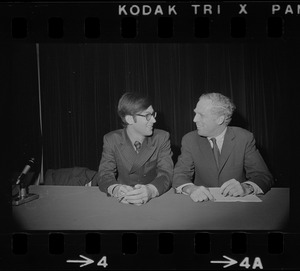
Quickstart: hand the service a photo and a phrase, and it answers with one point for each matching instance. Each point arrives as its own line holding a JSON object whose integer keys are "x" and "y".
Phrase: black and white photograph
{"x": 150, "y": 135}
{"x": 80, "y": 109}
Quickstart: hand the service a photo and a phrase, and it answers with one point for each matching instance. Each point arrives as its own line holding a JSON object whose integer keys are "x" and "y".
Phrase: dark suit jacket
{"x": 120, "y": 164}
{"x": 240, "y": 160}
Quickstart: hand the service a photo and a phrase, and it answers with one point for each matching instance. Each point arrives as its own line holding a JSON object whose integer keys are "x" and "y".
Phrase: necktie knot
{"x": 137, "y": 145}
{"x": 214, "y": 141}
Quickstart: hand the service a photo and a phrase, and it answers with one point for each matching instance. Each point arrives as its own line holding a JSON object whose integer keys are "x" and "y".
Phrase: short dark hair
{"x": 132, "y": 103}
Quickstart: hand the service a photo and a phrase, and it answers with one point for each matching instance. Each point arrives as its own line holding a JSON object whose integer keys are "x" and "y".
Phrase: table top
{"x": 87, "y": 208}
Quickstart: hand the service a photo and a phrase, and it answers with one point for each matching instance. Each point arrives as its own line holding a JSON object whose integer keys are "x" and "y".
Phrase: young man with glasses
{"x": 136, "y": 163}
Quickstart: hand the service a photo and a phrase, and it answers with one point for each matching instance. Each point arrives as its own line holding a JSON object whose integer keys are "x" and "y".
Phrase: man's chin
{"x": 199, "y": 132}
{"x": 149, "y": 132}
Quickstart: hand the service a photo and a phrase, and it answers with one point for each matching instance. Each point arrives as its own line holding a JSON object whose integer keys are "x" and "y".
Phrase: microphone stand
{"x": 24, "y": 196}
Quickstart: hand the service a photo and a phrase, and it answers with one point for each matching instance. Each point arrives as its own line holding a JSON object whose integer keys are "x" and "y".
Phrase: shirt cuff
{"x": 257, "y": 189}
{"x": 179, "y": 190}
{"x": 110, "y": 189}
{"x": 154, "y": 191}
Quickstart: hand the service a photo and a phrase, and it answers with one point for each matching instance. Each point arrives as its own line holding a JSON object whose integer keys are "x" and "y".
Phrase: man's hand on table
{"x": 234, "y": 188}
{"x": 137, "y": 195}
{"x": 198, "y": 193}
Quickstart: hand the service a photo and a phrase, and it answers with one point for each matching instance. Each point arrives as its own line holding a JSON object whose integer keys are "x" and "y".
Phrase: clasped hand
{"x": 137, "y": 195}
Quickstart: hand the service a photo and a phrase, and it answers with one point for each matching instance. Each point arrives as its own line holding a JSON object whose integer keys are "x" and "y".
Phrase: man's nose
{"x": 153, "y": 119}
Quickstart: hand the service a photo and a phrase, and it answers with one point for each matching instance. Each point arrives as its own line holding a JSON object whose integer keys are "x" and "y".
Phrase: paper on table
{"x": 215, "y": 191}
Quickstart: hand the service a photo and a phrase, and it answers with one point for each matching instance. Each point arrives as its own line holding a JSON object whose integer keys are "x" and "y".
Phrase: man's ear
{"x": 221, "y": 119}
{"x": 129, "y": 119}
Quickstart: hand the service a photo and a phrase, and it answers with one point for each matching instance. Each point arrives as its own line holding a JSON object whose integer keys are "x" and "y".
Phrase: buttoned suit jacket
{"x": 120, "y": 164}
{"x": 240, "y": 160}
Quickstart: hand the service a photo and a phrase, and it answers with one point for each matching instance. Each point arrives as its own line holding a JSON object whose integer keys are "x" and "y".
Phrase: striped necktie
{"x": 137, "y": 145}
{"x": 216, "y": 150}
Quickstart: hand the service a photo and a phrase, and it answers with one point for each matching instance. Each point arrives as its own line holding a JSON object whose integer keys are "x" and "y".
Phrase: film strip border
{"x": 152, "y": 250}
{"x": 131, "y": 22}
{"x": 149, "y": 22}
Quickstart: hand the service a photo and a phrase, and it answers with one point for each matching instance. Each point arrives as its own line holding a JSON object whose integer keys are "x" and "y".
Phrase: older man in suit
{"x": 218, "y": 155}
{"x": 136, "y": 163}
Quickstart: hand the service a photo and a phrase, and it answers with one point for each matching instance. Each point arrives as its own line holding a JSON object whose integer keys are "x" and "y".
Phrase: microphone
{"x": 25, "y": 170}
{"x": 24, "y": 196}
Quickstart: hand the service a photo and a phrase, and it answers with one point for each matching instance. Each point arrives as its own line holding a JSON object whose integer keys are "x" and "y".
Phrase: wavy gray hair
{"x": 222, "y": 105}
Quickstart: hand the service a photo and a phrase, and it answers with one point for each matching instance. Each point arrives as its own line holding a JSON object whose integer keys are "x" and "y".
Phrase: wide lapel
{"x": 227, "y": 147}
{"x": 144, "y": 154}
{"x": 127, "y": 152}
{"x": 206, "y": 149}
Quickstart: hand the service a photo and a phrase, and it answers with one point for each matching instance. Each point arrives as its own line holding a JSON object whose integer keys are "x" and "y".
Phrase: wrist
{"x": 249, "y": 188}
{"x": 151, "y": 191}
{"x": 188, "y": 189}
{"x": 115, "y": 190}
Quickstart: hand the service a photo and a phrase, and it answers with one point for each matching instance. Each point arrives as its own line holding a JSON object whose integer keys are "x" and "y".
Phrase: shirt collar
{"x": 220, "y": 136}
{"x": 128, "y": 140}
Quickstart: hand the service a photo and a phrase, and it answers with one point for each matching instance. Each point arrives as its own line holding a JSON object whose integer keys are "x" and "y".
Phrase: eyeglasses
{"x": 148, "y": 116}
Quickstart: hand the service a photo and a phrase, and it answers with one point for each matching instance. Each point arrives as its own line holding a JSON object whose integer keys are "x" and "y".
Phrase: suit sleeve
{"x": 256, "y": 168}
{"x": 165, "y": 166}
{"x": 107, "y": 169}
{"x": 185, "y": 167}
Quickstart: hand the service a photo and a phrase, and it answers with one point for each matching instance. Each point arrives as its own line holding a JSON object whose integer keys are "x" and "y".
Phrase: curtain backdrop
{"x": 81, "y": 85}
{"x": 22, "y": 107}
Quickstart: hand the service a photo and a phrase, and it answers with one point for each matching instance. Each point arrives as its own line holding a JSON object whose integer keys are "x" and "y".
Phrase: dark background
{"x": 80, "y": 85}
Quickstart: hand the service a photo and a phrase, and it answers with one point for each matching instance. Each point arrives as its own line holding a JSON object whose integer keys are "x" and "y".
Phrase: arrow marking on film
{"x": 228, "y": 263}
{"x": 85, "y": 262}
